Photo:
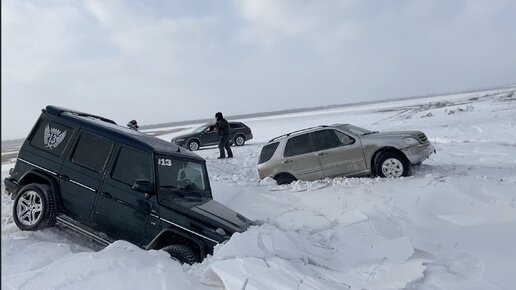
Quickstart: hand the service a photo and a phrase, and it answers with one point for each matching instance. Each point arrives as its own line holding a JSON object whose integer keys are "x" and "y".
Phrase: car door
{"x": 338, "y": 153}
{"x": 301, "y": 159}
{"x": 209, "y": 135}
{"x": 121, "y": 212}
{"x": 82, "y": 173}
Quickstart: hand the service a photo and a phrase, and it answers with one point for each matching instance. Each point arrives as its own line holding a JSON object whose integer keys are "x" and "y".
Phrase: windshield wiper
{"x": 369, "y": 133}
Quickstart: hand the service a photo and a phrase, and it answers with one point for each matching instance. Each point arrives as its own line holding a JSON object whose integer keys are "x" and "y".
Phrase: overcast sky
{"x": 162, "y": 61}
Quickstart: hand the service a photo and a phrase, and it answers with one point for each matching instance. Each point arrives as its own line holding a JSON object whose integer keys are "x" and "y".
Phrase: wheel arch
{"x": 284, "y": 173}
{"x": 37, "y": 176}
{"x": 379, "y": 151}
{"x": 170, "y": 236}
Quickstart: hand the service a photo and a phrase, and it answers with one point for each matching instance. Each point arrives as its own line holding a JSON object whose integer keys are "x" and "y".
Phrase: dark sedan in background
{"x": 206, "y": 135}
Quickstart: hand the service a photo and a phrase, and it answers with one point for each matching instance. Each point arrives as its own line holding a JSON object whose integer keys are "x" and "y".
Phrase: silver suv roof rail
{"x": 302, "y": 130}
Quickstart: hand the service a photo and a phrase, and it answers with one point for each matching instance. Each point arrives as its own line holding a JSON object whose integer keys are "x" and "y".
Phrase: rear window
{"x": 236, "y": 125}
{"x": 51, "y": 137}
{"x": 267, "y": 152}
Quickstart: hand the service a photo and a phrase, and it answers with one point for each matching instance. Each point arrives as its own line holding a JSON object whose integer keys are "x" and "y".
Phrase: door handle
{"x": 287, "y": 161}
{"x": 323, "y": 153}
{"x": 65, "y": 177}
{"x": 106, "y": 195}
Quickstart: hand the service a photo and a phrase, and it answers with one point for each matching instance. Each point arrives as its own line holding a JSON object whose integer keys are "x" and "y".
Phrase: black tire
{"x": 392, "y": 164}
{"x": 193, "y": 145}
{"x": 284, "y": 178}
{"x": 182, "y": 253}
{"x": 34, "y": 207}
{"x": 239, "y": 140}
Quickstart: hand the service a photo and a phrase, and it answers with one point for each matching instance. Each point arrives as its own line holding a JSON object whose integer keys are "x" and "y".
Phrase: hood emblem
{"x": 53, "y": 137}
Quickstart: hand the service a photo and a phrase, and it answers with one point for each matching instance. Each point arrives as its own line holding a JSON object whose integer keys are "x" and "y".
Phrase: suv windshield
{"x": 199, "y": 129}
{"x": 357, "y": 130}
{"x": 182, "y": 174}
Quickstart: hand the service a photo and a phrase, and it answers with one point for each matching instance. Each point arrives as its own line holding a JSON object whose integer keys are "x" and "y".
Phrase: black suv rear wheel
{"x": 182, "y": 253}
{"x": 34, "y": 207}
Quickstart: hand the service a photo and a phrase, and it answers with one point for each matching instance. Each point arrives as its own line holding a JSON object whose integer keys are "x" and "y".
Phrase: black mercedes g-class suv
{"x": 109, "y": 182}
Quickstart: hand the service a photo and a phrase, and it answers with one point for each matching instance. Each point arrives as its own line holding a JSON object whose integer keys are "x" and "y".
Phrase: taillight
{"x": 248, "y": 130}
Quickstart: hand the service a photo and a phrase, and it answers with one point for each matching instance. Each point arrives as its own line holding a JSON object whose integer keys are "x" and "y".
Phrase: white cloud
{"x": 155, "y": 62}
{"x": 269, "y": 21}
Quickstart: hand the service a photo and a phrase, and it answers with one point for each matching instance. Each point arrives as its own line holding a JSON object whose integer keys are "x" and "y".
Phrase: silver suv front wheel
{"x": 392, "y": 164}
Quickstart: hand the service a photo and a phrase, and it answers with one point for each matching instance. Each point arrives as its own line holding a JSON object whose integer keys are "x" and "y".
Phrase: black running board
{"x": 82, "y": 230}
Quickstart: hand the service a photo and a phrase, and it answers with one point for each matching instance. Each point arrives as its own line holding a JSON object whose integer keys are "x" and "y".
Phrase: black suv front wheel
{"x": 34, "y": 207}
{"x": 182, "y": 253}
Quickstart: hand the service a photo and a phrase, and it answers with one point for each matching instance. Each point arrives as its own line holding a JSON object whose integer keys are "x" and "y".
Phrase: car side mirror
{"x": 144, "y": 185}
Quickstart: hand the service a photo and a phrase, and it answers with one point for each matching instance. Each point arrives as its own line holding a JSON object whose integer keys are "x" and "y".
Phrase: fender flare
{"x": 170, "y": 235}
{"x": 39, "y": 176}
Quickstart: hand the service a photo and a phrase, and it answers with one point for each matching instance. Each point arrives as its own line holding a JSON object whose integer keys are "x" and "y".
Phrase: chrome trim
{"x": 83, "y": 231}
{"x": 37, "y": 166}
{"x": 82, "y": 185}
{"x": 188, "y": 230}
{"x": 154, "y": 216}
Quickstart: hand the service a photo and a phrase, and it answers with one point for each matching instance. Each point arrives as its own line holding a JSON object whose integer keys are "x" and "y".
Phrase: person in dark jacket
{"x": 222, "y": 127}
{"x": 133, "y": 125}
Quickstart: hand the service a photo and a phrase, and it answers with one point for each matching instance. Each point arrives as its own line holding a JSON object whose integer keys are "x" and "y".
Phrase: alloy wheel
{"x": 392, "y": 167}
{"x": 29, "y": 208}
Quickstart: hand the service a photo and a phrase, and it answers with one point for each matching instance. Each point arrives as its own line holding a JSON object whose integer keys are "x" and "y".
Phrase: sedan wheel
{"x": 239, "y": 140}
{"x": 193, "y": 145}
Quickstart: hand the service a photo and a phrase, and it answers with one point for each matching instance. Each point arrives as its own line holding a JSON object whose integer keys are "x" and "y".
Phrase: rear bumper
{"x": 417, "y": 154}
{"x": 11, "y": 186}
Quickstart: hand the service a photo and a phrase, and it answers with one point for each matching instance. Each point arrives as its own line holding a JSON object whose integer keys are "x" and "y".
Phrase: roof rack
{"x": 54, "y": 110}
{"x": 288, "y": 134}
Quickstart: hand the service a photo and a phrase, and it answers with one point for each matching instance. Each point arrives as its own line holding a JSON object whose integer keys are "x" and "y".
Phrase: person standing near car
{"x": 222, "y": 127}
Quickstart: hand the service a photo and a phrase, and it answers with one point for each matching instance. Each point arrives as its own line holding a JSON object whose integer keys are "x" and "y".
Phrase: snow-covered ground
{"x": 452, "y": 225}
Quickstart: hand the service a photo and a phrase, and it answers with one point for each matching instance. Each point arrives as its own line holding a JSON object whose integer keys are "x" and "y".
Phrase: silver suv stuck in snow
{"x": 342, "y": 150}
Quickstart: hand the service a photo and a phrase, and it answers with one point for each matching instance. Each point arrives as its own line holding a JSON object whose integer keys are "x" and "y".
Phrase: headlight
{"x": 409, "y": 141}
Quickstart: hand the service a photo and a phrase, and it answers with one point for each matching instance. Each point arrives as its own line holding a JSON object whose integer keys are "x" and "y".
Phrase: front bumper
{"x": 417, "y": 154}
{"x": 180, "y": 143}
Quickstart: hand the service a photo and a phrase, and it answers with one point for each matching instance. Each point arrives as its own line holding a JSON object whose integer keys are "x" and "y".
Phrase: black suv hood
{"x": 210, "y": 212}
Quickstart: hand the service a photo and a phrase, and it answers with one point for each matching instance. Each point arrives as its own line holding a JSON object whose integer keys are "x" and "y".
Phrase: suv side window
{"x": 92, "y": 151}
{"x": 132, "y": 164}
{"x": 343, "y": 138}
{"x": 235, "y": 125}
{"x": 298, "y": 145}
{"x": 51, "y": 137}
{"x": 326, "y": 139}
